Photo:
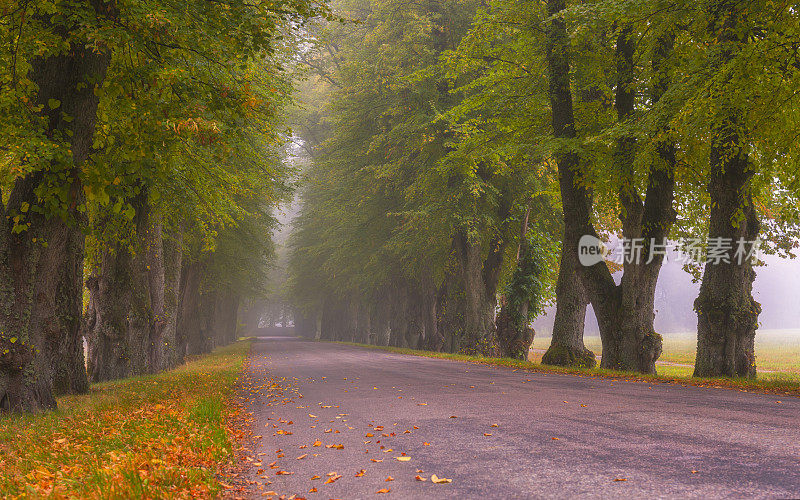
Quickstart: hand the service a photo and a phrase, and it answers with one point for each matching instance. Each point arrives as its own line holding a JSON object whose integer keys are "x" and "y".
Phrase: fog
{"x": 777, "y": 288}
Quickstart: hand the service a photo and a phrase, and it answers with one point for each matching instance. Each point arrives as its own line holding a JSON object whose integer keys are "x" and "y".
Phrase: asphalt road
{"x": 501, "y": 433}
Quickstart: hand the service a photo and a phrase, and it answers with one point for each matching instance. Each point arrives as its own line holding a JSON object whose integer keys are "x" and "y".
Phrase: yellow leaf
{"x": 439, "y": 480}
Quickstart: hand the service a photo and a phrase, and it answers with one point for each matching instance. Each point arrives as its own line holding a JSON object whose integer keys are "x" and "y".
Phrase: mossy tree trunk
{"x": 119, "y": 321}
{"x": 173, "y": 257}
{"x": 727, "y": 313}
{"x": 41, "y": 268}
{"x": 514, "y": 332}
{"x": 479, "y": 280}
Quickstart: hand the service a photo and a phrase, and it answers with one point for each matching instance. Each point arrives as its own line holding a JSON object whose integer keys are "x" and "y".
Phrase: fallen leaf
{"x": 403, "y": 459}
{"x": 333, "y": 478}
{"x": 283, "y": 473}
{"x": 314, "y": 477}
{"x": 620, "y": 479}
{"x": 384, "y": 490}
{"x": 390, "y": 478}
{"x": 304, "y": 455}
{"x": 439, "y": 480}
{"x": 420, "y": 478}
{"x": 376, "y": 460}
{"x": 487, "y": 434}
{"x": 312, "y": 490}
{"x": 360, "y": 473}
{"x": 317, "y": 443}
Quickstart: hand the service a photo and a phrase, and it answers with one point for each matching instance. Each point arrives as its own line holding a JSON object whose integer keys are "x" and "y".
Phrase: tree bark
{"x": 119, "y": 321}
{"x": 156, "y": 274}
{"x": 173, "y": 257}
{"x": 41, "y": 352}
{"x": 626, "y": 312}
{"x": 193, "y": 333}
{"x": 514, "y": 332}
{"x": 226, "y": 306}
{"x": 479, "y": 280}
{"x": 727, "y": 313}
{"x": 567, "y": 347}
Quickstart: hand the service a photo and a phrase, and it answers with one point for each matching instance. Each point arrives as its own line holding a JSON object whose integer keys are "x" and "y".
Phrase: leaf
{"x": 403, "y": 459}
{"x": 619, "y": 479}
{"x": 420, "y": 478}
{"x": 384, "y": 490}
{"x": 317, "y": 443}
{"x": 361, "y": 473}
{"x": 130, "y": 212}
{"x": 333, "y": 478}
{"x": 439, "y": 480}
{"x": 53, "y": 103}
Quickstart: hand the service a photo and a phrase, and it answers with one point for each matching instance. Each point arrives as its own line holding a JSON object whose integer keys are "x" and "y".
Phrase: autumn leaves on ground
{"x": 147, "y": 437}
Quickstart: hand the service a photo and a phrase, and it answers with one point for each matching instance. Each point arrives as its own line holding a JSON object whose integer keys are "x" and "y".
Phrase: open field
{"x": 777, "y": 353}
{"x": 151, "y": 436}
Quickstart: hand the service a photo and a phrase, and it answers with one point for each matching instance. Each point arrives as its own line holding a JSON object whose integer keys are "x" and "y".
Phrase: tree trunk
{"x": 624, "y": 312}
{"x": 514, "y": 333}
{"x": 226, "y": 306}
{"x": 434, "y": 340}
{"x": 567, "y": 347}
{"x": 156, "y": 274}
{"x": 173, "y": 257}
{"x": 193, "y": 334}
{"x": 627, "y": 314}
{"x": 41, "y": 269}
{"x": 479, "y": 280}
{"x": 727, "y": 314}
{"x": 119, "y": 321}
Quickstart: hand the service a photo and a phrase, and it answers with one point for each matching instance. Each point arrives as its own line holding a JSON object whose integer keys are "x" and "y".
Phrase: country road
{"x": 501, "y": 433}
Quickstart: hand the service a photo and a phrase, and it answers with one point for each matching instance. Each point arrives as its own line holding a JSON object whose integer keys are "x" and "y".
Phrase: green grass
{"x": 778, "y": 383}
{"x": 152, "y": 436}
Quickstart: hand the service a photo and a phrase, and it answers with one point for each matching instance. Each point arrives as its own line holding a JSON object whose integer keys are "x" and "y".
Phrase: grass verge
{"x": 784, "y": 384}
{"x": 151, "y": 436}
